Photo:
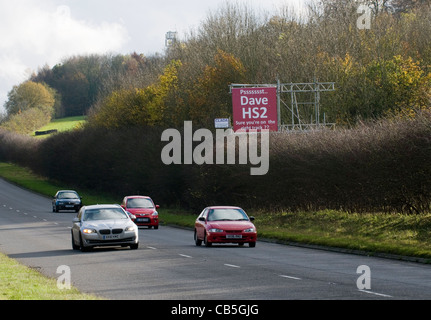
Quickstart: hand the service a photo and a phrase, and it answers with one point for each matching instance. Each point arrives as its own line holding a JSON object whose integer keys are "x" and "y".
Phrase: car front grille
{"x": 108, "y": 231}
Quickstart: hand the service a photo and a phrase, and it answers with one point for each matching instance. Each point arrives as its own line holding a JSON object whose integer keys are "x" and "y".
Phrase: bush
{"x": 377, "y": 167}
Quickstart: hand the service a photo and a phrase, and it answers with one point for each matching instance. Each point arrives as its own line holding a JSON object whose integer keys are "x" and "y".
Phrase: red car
{"x": 224, "y": 224}
{"x": 143, "y": 208}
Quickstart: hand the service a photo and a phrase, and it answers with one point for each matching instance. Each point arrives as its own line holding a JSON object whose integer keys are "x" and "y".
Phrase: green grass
{"x": 21, "y": 283}
{"x": 63, "y": 124}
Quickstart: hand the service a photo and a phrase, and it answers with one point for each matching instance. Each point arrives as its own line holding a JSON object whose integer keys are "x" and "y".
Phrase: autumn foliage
{"x": 376, "y": 160}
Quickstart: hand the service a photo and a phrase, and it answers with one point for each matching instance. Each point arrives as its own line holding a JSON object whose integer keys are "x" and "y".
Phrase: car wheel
{"x": 198, "y": 242}
{"x": 54, "y": 209}
{"x": 252, "y": 244}
{"x": 74, "y": 246}
{"x": 207, "y": 244}
{"x": 156, "y": 227}
{"x": 134, "y": 246}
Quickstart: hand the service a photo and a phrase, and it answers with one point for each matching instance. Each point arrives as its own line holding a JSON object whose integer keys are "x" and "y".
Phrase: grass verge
{"x": 21, "y": 283}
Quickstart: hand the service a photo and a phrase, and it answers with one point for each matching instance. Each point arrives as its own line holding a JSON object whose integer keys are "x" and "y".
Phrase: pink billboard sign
{"x": 255, "y": 109}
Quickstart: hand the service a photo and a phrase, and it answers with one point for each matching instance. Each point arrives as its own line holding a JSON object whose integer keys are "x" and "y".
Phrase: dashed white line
{"x": 152, "y": 248}
{"x": 376, "y": 293}
{"x": 231, "y": 265}
{"x": 289, "y": 277}
{"x": 185, "y": 256}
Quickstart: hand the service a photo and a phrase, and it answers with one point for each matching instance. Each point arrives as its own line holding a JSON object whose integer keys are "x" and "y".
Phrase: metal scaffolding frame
{"x": 297, "y": 111}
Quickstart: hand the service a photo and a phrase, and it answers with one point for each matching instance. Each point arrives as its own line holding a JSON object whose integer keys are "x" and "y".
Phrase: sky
{"x": 45, "y": 32}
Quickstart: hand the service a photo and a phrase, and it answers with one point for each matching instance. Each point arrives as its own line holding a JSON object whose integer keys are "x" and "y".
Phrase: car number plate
{"x": 234, "y": 236}
{"x": 69, "y": 206}
{"x": 143, "y": 220}
{"x": 111, "y": 237}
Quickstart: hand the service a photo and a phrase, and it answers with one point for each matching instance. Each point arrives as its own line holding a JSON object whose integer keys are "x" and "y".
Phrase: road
{"x": 168, "y": 266}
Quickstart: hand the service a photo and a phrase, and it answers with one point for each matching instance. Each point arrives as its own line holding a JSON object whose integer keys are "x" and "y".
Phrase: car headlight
{"x": 89, "y": 231}
{"x": 155, "y": 214}
{"x": 250, "y": 230}
{"x": 215, "y": 230}
{"x": 130, "y": 228}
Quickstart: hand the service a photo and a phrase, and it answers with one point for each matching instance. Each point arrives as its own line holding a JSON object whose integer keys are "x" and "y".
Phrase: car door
{"x": 200, "y": 224}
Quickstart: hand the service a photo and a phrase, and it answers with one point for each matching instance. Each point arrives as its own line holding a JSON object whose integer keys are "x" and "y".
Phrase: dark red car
{"x": 143, "y": 208}
{"x": 224, "y": 224}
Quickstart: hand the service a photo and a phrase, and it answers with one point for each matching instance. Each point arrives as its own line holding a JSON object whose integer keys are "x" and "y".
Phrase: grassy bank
{"x": 21, "y": 283}
{"x": 63, "y": 124}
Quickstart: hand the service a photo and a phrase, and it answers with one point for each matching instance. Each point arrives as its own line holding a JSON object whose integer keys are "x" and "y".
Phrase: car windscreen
{"x": 227, "y": 214}
{"x": 144, "y": 203}
{"x": 104, "y": 214}
{"x": 67, "y": 195}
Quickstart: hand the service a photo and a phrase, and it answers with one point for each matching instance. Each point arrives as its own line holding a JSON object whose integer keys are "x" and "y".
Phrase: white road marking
{"x": 376, "y": 293}
{"x": 289, "y": 277}
{"x": 231, "y": 265}
{"x": 185, "y": 256}
{"x": 152, "y": 248}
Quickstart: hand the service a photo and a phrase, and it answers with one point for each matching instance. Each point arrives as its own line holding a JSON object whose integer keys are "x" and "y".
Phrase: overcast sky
{"x": 35, "y": 33}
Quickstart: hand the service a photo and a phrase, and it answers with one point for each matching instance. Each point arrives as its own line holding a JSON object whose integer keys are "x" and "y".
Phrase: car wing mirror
{"x": 201, "y": 219}
{"x": 76, "y": 220}
{"x": 252, "y": 218}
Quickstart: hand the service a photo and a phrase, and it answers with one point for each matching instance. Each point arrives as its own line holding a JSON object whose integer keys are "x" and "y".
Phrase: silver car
{"x": 103, "y": 225}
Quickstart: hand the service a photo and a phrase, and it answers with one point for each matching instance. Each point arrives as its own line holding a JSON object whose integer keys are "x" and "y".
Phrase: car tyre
{"x": 134, "y": 246}
{"x": 198, "y": 242}
{"x": 252, "y": 244}
{"x": 74, "y": 246}
{"x": 207, "y": 244}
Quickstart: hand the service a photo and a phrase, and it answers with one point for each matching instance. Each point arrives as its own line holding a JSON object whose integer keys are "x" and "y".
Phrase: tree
{"x": 406, "y": 5}
{"x": 137, "y": 106}
{"x": 29, "y": 95}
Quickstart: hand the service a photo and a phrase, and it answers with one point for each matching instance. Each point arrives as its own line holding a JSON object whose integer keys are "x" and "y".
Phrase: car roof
{"x": 101, "y": 206}
{"x": 223, "y": 207}
{"x": 67, "y": 191}
{"x": 128, "y": 197}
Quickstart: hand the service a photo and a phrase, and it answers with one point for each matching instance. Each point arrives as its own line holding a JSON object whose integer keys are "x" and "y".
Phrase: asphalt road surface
{"x": 168, "y": 266}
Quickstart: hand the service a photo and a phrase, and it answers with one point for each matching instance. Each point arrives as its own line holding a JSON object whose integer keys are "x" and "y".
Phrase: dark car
{"x": 66, "y": 200}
